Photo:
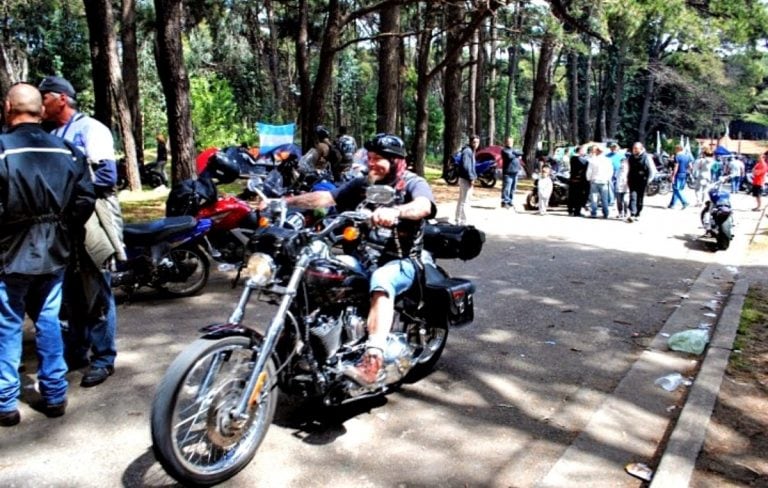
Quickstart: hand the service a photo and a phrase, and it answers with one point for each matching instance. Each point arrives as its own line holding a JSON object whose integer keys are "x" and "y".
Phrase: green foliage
{"x": 216, "y": 117}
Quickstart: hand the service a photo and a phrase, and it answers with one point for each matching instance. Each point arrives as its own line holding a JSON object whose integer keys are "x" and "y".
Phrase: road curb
{"x": 679, "y": 459}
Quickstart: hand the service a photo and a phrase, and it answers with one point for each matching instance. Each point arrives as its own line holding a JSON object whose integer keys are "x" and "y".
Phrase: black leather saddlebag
{"x": 453, "y": 297}
{"x": 446, "y": 241}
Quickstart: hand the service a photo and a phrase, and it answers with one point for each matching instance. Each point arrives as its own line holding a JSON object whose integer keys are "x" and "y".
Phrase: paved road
{"x": 564, "y": 308}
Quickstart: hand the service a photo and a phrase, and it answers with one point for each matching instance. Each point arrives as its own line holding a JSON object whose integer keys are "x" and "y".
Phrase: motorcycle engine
{"x": 329, "y": 333}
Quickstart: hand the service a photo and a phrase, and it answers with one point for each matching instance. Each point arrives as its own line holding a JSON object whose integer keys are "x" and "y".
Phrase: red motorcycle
{"x": 233, "y": 218}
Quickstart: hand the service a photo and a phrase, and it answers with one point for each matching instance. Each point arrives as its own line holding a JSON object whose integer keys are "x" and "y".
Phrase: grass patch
{"x": 753, "y": 329}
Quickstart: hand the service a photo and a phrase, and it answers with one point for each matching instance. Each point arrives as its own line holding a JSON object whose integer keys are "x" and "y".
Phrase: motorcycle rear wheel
{"x": 193, "y": 435}
{"x": 188, "y": 272}
{"x": 437, "y": 338}
{"x": 724, "y": 235}
{"x": 653, "y": 189}
{"x": 532, "y": 201}
{"x": 451, "y": 175}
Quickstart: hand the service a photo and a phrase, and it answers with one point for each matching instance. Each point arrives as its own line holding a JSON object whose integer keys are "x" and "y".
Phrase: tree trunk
{"x": 585, "y": 133}
{"x": 492, "y": 75}
{"x": 173, "y": 76}
{"x": 618, "y": 94}
{"x": 423, "y": 50}
{"x": 601, "y": 78}
{"x": 273, "y": 60}
{"x": 573, "y": 95}
{"x": 542, "y": 88}
{"x": 452, "y": 87}
{"x": 472, "y": 126}
{"x": 324, "y": 74}
{"x": 302, "y": 67}
{"x": 389, "y": 71}
{"x": 103, "y": 38}
{"x": 131, "y": 74}
{"x": 97, "y": 40}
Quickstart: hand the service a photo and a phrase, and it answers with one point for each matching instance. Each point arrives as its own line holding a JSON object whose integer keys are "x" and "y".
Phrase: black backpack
{"x": 189, "y": 196}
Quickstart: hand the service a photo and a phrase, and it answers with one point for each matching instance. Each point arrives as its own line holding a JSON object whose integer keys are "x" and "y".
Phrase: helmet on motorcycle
{"x": 387, "y": 145}
{"x": 322, "y": 133}
{"x": 224, "y": 169}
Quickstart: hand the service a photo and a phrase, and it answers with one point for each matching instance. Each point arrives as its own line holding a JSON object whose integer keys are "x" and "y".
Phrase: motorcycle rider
{"x": 402, "y": 249}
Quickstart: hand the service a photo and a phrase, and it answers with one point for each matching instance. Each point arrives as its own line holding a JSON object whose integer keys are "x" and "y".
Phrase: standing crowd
{"x": 60, "y": 234}
{"x": 600, "y": 179}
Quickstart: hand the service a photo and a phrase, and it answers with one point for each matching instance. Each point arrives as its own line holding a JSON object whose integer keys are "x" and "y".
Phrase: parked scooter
{"x": 164, "y": 254}
{"x": 559, "y": 191}
{"x": 152, "y": 174}
{"x": 717, "y": 215}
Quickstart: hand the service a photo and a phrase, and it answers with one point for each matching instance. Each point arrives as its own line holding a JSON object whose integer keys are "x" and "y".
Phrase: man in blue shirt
{"x": 615, "y": 155}
{"x": 678, "y": 177}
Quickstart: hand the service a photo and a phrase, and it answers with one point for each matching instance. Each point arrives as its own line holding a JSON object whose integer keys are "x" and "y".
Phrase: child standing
{"x": 622, "y": 189}
{"x": 545, "y": 189}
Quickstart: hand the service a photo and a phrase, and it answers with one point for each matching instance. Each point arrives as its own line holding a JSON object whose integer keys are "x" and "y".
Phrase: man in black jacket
{"x": 641, "y": 170}
{"x": 46, "y": 195}
{"x": 578, "y": 186}
{"x": 510, "y": 168}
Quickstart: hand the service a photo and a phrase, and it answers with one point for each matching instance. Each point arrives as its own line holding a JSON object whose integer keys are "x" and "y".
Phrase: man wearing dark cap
{"x": 46, "y": 194}
{"x": 94, "y": 325}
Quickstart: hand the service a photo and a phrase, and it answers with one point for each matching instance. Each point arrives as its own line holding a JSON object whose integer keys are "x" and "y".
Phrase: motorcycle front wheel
{"x": 194, "y": 436}
{"x": 488, "y": 179}
{"x": 184, "y": 271}
{"x": 653, "y": 189}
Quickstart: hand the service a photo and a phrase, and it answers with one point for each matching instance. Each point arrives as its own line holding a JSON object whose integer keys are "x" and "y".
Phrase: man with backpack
{"x": 641, "y": 170}
{"x": 509, "y": 169}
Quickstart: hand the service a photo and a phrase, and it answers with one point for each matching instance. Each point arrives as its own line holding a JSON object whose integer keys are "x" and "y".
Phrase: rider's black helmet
{"x": 322, "y": 133}
{"x": 387, "y": 145}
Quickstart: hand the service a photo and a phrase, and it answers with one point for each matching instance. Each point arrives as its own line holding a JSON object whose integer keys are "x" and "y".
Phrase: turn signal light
{"x": 264, "y": 222}
{"x": 350, "y": 233}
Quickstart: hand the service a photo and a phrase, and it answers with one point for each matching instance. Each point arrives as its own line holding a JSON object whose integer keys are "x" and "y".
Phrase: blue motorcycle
{"x": 717, "y": 216}
{"x": 165, "y": 254}
{"x": 485, "y": 168}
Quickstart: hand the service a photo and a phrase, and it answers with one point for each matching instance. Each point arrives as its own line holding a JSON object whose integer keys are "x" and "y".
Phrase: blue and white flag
{"x": 271, "y": 136}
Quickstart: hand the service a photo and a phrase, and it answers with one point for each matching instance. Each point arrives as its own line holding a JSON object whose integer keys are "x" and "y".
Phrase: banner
{"x": 271, "y": 136}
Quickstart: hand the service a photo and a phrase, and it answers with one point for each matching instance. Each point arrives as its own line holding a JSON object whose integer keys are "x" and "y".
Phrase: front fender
{"x": 219, "y": 331}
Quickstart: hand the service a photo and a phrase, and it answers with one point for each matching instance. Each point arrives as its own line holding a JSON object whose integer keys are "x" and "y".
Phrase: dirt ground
{"x": 736, "y": 450}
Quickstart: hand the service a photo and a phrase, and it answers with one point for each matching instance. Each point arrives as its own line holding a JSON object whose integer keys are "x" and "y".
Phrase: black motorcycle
{"x": 218, "y": 397}
{"x": 152, "y": 174}
{"x": 660, "y": 184}
{"x": 559, "y": 191}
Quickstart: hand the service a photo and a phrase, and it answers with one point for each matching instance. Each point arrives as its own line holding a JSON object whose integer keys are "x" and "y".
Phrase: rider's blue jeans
{"x": 508, "y": 190}
{"x": 394, "y": 277}
{"x": 40, "y": 297}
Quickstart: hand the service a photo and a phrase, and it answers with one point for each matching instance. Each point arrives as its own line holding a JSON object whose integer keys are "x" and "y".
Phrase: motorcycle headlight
{"x": 260, "y": 269}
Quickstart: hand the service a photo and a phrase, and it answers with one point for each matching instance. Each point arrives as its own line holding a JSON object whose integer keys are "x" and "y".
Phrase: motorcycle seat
{"x": 152, "y": 232}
